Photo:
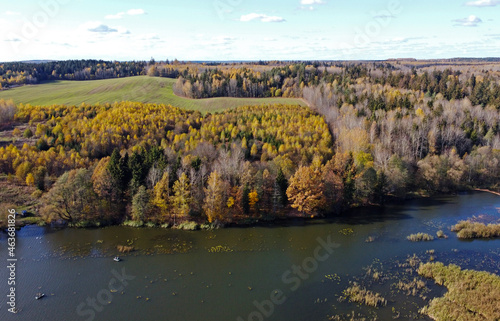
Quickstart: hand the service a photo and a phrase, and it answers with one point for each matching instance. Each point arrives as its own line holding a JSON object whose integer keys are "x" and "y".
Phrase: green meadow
{"x": 141, "y": 89}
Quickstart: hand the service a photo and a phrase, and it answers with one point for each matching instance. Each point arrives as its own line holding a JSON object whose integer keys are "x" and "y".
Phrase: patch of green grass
{"x": 472, "y": 295}
{"x": 140, "y": 89}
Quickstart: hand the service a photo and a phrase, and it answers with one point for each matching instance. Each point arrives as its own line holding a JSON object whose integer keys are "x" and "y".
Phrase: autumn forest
{"x": 374, "y": 132}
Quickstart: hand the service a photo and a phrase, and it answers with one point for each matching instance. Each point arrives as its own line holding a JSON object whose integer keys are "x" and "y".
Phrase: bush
{"x": 472, "y": 230}
{"x": 440, "y": 234}
{"x": 28, "y": 133}
{"x": 188, "y": 226}
{"x": 420, "y": 237}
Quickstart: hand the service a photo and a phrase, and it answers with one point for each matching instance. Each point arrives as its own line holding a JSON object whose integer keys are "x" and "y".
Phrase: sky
{"x": 221, "y": 30}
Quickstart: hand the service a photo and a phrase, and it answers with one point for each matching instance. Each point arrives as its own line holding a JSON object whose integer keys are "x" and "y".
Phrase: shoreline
{"x": 279, "y": 221}
{"x": 486, "y": 191}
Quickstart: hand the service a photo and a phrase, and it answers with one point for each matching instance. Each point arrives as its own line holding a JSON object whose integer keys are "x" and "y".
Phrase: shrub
{"x": 471, "y": 230}
{"x": 440, "y": 234}
{"x": 420, "y": 237}
{"x": 28, "y": 133}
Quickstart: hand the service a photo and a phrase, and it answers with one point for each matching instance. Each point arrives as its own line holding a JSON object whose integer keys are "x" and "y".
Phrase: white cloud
{"x": 131, "y": 12}
{"x": 310, "y": 2}
{"x": 471, "y": 21}
{"x": 261, "y": 17}
{"x": 135, "y": 12}
{"x": 12, "y": 13}
{"x": 102, "y": 29}
{"x": 483, "y": 3}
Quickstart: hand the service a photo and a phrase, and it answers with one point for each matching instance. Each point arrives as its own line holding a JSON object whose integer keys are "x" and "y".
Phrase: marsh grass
{"x": 125, "y": 248}
{"x": 411, "y": 287}
{"x": 440, "y": 234}
{"x": 358, "y": 294}
{"x": 471, "y": 296}
{"x": 420, "y": 237}
{"x": 473, "y": 230}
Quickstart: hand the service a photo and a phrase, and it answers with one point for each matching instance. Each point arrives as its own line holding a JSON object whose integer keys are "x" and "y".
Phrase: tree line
{"x": 22, "y": 73}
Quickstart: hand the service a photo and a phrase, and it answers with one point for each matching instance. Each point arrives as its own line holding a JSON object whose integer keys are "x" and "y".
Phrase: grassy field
{"x": 142, "y": 89}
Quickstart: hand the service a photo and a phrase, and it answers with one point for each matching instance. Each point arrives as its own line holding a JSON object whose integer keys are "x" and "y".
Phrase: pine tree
{"x": 140, "y": 204}
{"x": 282, "y": 184}
{"x": 245, "y": 200}
{"x": 118, "y": 168}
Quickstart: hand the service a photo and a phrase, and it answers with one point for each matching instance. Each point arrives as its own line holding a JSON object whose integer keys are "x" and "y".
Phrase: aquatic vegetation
{"x": 472, "y": 295}
{"x": 346, "y": 231}
{"x": 333, "y": 277}
{"x": 352, "y": 317}
{"x": 411, "y": 287}
{"x": 420, "y": 237}
{"x": 219, "y": 249}
{"x": 358, "y": 294}
{"x": 125, "y": 248}
{"x": 370, "y": 239}
{"x": 440, "y": 234}
{"x": 473, "y": 230}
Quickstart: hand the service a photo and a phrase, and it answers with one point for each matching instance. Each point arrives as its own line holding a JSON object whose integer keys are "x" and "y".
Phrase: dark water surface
{"x": 234, "y": 274}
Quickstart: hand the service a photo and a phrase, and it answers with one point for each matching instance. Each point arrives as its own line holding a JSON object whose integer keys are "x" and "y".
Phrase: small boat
{"x": 38, "y": 296}
{"x": 117, "y": 259}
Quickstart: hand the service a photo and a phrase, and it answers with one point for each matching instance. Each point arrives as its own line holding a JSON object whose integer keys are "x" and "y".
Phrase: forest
{"x": 23, "y": 73}
{"x": 374, "y": 131}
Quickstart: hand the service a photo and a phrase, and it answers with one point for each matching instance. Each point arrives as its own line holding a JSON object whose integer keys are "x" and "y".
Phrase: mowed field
{"x": 141, "y": 89}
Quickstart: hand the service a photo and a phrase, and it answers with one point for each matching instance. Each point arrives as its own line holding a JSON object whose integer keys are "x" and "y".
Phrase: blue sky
{"x": 248, "y": 29}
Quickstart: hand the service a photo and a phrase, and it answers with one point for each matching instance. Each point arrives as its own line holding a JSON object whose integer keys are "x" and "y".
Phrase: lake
{"x": 292, "y": 272}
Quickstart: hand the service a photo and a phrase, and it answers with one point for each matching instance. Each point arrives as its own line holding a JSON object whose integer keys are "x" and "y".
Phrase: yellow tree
{"x": 103, "y": 182}
{"x": 253, "y": 198}
{"x": 305, "y": 191}
{"x": 162, "y": 194}
{"x": 30, "y": 180}
{"x": 182, "y": 195}
{"x": 214, "y": 195}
